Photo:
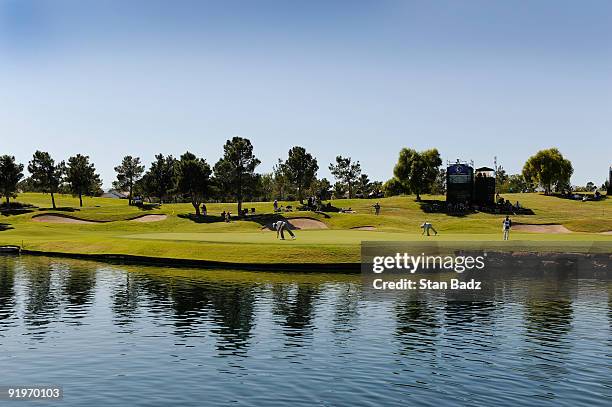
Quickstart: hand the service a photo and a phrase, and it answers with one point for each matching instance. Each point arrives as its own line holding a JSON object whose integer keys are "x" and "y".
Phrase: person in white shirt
{"x": 506, "y": 225}
{"x": 280, "y": 227}
{"x": 427, "y": 227}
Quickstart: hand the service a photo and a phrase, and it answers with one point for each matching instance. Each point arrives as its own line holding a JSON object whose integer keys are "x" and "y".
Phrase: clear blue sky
{"x": 476, "y": 79}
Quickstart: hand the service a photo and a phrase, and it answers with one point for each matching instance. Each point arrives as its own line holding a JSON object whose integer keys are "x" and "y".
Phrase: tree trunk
{"x": 8, "y": 202}
{"x": 130, "y": 196}
{"x": 196, "y": 205}
{"x": 53, "y": 200}
{"x": 80, "y": 200}
{"x": 418, "y": 198}
{"x": 239, "y": 195}
{"x": 300, "y": 197}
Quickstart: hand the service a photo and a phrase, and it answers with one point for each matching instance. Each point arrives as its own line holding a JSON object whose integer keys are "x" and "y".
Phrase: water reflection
{"x": 232, "y": 310}
{"x": 294, "y": 309}
{"x": 77, "y": 287}
{"x": 348, "y": 298}
{"x": 125, "y": 299}
{"x": 41, "y": 298}
{"x": 418, "y": 325}
{"x": 298, "y": 334}
{"x": 7, "y": 288}
{"x": 548, "y": 315}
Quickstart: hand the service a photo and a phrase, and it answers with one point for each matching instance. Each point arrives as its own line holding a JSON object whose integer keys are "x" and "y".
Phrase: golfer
{"x": 427, "y": 227}
{"x": 280, "y": 227}
{"x": 506, "y": 225}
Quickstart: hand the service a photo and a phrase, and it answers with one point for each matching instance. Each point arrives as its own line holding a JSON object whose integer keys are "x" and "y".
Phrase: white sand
{"x": 541, "y": 228}
{"x": 301, "y": 223}
{"x": 60, "y": 219}
{"x": 149, "y": 218}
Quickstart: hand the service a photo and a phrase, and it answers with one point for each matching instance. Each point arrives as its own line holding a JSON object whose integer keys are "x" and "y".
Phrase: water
{"x": 125, "y": 335}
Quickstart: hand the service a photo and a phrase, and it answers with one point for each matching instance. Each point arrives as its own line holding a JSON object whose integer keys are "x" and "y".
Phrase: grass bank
{"x": 180, "y": 236}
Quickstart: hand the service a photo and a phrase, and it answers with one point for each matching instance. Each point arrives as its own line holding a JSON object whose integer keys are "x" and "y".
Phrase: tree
{"x": 346, "y": 172}
{"x": 439, "y": 185}
{"x": 28, "y": 185}
{"x": 364, "y": 184}
{"x": 236, "y": 169}
{"x": 160, "y": 177}
{"x": 590, "y": 187}
{"x": 282, "y": 186}
{"x": 340, "y": 190}
{"x": 501, "y": 179}
{"x": 265, "y": 187}
{"x": 376, "y": 187}
{"x": 144, "y": 187}
{"x": 193, "y": 179}
{"x": 417, "y": 171}
{"x": 128, "y": 173}
{"x": 548, "y": 168}
{"x": 393, "y": 187}
{"x": 320, "y": 189}
{"x": 516, "y": 183}
{"x": 45, "y": 174}
{"x": 301, "y": 170}
{"x": 81, "y": 177}
{"x": 10, "y": 175}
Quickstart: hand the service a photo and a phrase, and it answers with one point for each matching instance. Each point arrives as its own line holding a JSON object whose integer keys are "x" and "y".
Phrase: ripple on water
{"x": 139, "y": 335}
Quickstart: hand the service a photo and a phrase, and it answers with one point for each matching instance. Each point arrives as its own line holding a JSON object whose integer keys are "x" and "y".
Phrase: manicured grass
{"x": 244, "y": 241}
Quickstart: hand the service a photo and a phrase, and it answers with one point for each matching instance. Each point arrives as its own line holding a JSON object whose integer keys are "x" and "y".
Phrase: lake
{"x": 117, "y": 335}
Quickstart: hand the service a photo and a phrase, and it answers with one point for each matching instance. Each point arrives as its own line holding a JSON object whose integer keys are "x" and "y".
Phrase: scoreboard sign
{"x": 459, "y": 174}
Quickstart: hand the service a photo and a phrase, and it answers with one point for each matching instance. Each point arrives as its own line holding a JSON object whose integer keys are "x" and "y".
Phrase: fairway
{"x": 106, "y": 226}
{"x": 345, "y": 237}
{"x": 307, "y": 237}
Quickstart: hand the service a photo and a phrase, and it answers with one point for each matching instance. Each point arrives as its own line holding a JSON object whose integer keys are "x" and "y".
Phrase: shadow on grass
{"x": 61, "y": 209}
{"x": 10, "y": 212}
{"x": 571, "y": 197}
{"x": 201, "y": 219}
{"x": 438, "y": 206}
{"x": 15, "y": 208}
{"x": 264, "y": 220}
{"x": 148, "y": 206}
{"x": 5, "y": 226}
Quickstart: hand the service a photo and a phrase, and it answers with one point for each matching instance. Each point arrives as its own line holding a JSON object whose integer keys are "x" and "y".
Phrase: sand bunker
{"x": 541, "y": 228}
{"x": 364, "y": 228}
{"x": 301, "y": 224}
{"x": 306, "y": 223}
{"x": 149, "y": 218}
{"x": 609, "y": 232}
{"x": 60, "y": 219}
{"x": 65, "y": 219}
